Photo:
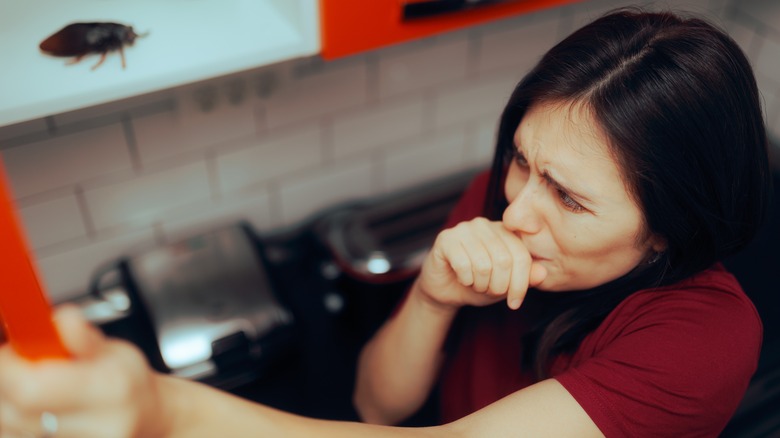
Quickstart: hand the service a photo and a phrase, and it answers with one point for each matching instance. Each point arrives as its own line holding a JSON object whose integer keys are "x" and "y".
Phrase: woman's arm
{"x": 107, "y": 391}
{"x": 544, "y": 409}
{"x": 476, "y": 263}
{"x": 199, "y": 411}
{"x": 398, "y": 367}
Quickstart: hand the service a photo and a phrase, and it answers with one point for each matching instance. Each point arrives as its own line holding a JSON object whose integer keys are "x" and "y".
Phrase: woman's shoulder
{"x": 710, "y": 306}
{"x": 688, "y": 347}
{"x": 711, "y": 293}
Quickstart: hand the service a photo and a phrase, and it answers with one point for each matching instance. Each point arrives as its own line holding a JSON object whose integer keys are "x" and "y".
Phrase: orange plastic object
{"x": 24, "y": 310}
{"x": 352, "y": 26}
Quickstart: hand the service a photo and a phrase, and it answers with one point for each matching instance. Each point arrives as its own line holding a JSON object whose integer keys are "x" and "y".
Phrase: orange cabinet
{"x": 352, "y": 26}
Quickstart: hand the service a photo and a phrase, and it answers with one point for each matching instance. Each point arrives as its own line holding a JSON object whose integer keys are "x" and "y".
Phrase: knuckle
{"x": 460, "y": 265}
{"x": 480, "y": 220}
{"x": 482, "y": 267}
{"x": 459, "y": 228}
{"x": 502, "y": 260}
{"x": 443, "y": 236}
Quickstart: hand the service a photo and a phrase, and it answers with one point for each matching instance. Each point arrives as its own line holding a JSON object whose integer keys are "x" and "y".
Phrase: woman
{"x": 629, "y": 161}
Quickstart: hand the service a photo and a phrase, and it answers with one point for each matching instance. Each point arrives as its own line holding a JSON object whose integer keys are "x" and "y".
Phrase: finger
{"x": 493, "y": 239}
{"x": 538, "y": 275}
{"x": 53, "y": 384}
{"x": 80, "y": 338}
{"x": 519, "y": 271}
{"x": 459, "y": 262}
{"x": 448, "y": 254}
{"x": 477, "y": 256}
{"x": 479, "y": 259}
{"x": 33, "y": 387}
{"x": 13, "y": 423}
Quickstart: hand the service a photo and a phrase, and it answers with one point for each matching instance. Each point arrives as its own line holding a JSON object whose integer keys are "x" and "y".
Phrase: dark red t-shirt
{"x": 671, "y": 361}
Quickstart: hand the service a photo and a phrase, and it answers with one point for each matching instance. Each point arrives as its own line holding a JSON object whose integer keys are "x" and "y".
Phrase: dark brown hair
{"x": 678, "y": 103}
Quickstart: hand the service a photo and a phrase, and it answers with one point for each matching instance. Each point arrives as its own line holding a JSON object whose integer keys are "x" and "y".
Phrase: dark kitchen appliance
{"x": 386, "y": 239}
{"x": 202, "y": 308}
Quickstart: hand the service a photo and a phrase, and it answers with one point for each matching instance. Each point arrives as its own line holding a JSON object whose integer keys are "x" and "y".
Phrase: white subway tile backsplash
{"x": 765, "y": 12}
{"x": 144, "y": 200}
{"x": 189, "y": 127}
{"x": 422, "y": 66}
{"x": 317, "y": 94}
{"x": 772, "y": 110}
{"x": 473, "y": 99}
{"x": 67, "y": 274}
{"x": 767, "y": 60}
{"x": 482, "y": 142}
{"x": 160, "y": 135}
{"x": 360, "y": 131}
{"x": 269, "y": 158}
{"x": 745, "y": 36}
{"x": 585, "y": 12}
{"x": 424, "y": 160}
{"x": 774, "y": 128}
{"x": 197, "y": 218}
{"x": 53, "y": 221}
{"x": 719, "y": 8}
{"x": 326, "y": 187}
{"x": 518, "y": 48}
{"x": 66, "y": 160}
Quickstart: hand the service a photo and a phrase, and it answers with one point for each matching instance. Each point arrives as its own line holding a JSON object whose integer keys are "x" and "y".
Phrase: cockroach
{"x": 81, "y": 39}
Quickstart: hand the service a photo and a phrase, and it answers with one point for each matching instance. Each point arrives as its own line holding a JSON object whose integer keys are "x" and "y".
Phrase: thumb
{"x": 79, "y": 336}
{"x": 537, "y": 275}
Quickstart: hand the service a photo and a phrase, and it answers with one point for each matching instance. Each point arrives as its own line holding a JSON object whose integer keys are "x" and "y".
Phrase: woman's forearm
{"x": 194, "y": 410}
{"x": 398, "y": 367}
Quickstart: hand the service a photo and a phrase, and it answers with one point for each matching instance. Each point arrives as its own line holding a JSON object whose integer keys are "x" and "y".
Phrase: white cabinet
{"x": 188, "y": 41}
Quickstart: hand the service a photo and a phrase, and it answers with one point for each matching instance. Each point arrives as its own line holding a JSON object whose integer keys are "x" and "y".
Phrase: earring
{"x": 654, "y": 259}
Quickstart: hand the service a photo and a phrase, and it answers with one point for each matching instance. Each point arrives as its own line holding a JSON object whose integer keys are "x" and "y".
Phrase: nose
{"x": 523, "y": 212}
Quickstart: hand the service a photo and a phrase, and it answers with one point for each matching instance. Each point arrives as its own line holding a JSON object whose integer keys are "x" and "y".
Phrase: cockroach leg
{"x": 102, "y": 58}
{"x": 122, "y": 55}
{"x": 75, "y": 60}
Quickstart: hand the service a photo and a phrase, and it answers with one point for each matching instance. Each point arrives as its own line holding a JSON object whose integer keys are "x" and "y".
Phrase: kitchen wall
{"x": 278, "y": 143}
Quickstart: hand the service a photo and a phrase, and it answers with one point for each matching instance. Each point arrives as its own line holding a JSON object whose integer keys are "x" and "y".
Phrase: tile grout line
{"x": 132, "y": 143}
{"x": 86, "y": 216}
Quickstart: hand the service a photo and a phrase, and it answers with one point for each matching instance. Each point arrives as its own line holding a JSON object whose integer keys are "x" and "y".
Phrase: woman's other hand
{"x": 105, "y": 390}
{"x": 478, "y": 262}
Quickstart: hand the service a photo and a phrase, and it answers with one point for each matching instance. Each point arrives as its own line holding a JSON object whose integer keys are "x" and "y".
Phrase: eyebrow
{"x": 558, "y": 185}
{"x": 573, "y": 193}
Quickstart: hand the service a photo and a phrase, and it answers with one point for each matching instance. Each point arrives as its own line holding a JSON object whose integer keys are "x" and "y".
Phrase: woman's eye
{"x": 570, "y": 203}
{"x": 520, "y": 158}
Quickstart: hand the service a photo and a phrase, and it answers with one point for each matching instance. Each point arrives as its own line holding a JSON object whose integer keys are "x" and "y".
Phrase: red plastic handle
{"x": 24, "y": 309}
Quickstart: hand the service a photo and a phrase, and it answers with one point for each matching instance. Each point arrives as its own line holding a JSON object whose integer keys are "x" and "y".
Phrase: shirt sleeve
{"x": 471, "y": 203}
{"x": 677, "y": 364}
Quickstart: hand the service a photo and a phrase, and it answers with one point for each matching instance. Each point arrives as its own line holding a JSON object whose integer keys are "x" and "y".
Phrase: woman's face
{"x": 568, "y": 202}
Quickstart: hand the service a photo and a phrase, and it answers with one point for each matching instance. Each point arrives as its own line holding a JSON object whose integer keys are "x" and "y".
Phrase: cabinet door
{"x": 352, "y": 26}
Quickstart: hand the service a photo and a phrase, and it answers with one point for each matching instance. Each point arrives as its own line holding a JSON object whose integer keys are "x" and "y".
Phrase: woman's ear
{"x": 657, "y": 243}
